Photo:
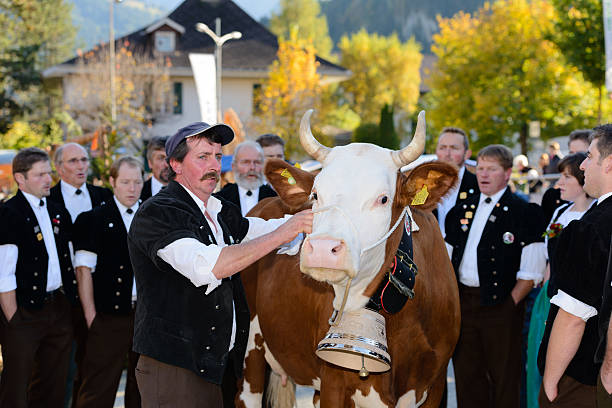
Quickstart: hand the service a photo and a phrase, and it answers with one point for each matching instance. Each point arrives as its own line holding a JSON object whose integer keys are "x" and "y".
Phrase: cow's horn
{"x": 309, "y": 143}
{"x": 416, "y": 147}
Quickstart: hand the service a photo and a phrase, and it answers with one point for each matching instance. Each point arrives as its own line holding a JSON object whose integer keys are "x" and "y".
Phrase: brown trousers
{"x": 487, "y": 358}
{"x": 109, "y": 342}
{"x": 35, "y": 350}
{"x": 604, "y": 400}
{"x": 165, "y": 386}
{"x": 570, "y": 394}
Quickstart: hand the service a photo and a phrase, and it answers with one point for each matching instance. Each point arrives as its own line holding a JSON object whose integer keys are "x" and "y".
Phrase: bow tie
{"x": 42, "y": 203}
{"x": 488, "y": 200}
{"x": 129, "y": 211}
{"x": 249, "y": 193}
{"x": 78, "y": 191}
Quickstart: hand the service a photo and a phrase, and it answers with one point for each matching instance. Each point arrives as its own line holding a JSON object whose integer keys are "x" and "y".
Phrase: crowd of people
{"x": 144, "y": 275}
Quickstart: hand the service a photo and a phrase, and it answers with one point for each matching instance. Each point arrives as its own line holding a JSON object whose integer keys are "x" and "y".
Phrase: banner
{"x": 203, "y": 67}
{"x": 607, "y": 16}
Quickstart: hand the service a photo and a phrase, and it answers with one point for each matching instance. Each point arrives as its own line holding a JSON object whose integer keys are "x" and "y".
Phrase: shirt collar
{"x": 494, "y": 198}
{"x": 603, "y": 197}
{"x": 156, "y": 185}
{"x": 33, "y": 200}
{"x": 242, "y": 191}
{"x": 460, "y": 174}
{"x": 70, "y": 189}
{"x": 201, "y": 205}
{"x": 122, "y": 208}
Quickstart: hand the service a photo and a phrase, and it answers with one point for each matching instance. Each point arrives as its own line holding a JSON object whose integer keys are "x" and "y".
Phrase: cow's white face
{"x": 355, "y": 191}
{"x": 352, "y": 200}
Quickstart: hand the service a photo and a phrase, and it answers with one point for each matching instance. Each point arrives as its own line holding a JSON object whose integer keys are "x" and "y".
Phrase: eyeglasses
{"x": 75, "y": 160}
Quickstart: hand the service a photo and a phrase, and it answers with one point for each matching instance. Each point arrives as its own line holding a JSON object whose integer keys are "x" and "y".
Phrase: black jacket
{"x": 146, "y": 192}
{"x": 230, "y": 193}
{"x": 98, "y": 195}
{"x": 176, "y": 322}
{"x": 467, "y": 189}
{"x": 580, "y": 263}
{"x": 21, "y": 229}
{"x": 102, "y": 231}
{"x": 498, "y": 262}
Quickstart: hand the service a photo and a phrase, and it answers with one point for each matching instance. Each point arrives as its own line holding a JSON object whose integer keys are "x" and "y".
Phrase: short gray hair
{"x": 248, "y": 143}
{"x": 59, "y": 153}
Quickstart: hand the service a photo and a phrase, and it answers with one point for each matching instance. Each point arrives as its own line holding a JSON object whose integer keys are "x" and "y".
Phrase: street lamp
{"x": 111, "y": 44}
{"x": 219, "y": 41}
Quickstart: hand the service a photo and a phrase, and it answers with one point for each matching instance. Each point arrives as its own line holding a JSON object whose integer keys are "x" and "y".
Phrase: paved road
{"x": 304, "y": 394}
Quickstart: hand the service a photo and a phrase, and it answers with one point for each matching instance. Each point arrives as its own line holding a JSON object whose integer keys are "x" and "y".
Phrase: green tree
{"x": 385, "y": 72}
{"x": 497, "y": 72}
{"x": 388, "y": 136}
{"x": 579, "y": 34}
{"x": 305, "y": 17}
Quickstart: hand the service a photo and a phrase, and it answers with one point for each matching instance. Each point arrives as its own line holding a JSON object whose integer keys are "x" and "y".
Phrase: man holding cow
{"x": 186, "y": 249}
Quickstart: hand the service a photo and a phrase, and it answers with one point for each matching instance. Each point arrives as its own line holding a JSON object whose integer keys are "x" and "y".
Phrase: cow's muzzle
{"x": 326, "y": 259}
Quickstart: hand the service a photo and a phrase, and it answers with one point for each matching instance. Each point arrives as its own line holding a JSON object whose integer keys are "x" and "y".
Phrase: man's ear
{"x": 19, "y": 178}
{"x": 467, "y": 155}
{"x": 425, "y": 185}
{"x": 293, "y": 185}
{"x": 176, "y": 166}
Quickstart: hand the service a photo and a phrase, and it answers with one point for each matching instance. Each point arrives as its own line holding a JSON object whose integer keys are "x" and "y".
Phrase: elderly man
{"x": 36, "y": 285}
{"x": 492, "y": 235}
{"x": 273, "y": 146}
{"x": 568, "y": 349}
{"x": 156, "y": 157}
{"x": 249, "y": 188}
{"x": 453, "y": 147}
{"x": 107, "y": 289}
{"x": 187, "y": 248}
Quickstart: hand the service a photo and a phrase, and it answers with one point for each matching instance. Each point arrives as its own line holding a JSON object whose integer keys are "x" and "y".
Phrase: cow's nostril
{"x": 337, "y": 249}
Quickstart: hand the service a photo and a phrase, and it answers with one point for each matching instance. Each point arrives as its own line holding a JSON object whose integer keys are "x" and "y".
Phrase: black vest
{"x": 230, "y": 193}
{"x": 176, "y": 322}
{"x": 102, "y": 231}
{"x": 21, "y": 229}
{"x": 512, "y": 225}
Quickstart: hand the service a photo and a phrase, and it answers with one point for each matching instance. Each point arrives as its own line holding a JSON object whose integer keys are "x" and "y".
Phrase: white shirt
{"x": 531, "y": 267}
{"x": 247, "y": 202}
{"x": 572, "y": 305}
{"x": 9, "y": 252}
{"x": 75, "y": 203}
{"x": 195, "y": 260}
{"x": 89, "y": 259}
{"x": 449, "y": 201}
{"x": 156, "y": 186}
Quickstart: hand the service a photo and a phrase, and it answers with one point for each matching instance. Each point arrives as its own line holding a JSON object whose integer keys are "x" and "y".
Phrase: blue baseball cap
{"x": 224, "y": 132}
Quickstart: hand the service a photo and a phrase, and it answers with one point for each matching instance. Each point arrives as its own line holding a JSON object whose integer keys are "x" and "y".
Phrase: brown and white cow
{"x": 362, "y": 192}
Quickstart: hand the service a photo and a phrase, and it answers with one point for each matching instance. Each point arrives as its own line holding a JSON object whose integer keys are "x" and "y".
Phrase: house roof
{"x": 252, "y": 55}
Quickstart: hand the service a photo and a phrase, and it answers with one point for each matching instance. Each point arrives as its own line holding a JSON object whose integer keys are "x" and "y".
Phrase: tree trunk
{"x": 523, "y": 134}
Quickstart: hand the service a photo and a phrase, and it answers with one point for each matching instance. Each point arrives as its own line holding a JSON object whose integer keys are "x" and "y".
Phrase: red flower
{"x": 553, "y": 230}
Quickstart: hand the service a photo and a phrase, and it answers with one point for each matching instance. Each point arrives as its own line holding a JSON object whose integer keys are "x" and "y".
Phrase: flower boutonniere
{"x": 553, "y": 230}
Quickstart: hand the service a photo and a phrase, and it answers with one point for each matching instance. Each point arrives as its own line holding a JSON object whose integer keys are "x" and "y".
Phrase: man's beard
{"x": 248, "y": 184}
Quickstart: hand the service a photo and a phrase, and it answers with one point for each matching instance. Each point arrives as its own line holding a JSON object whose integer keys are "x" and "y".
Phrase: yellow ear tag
{"x": 421, "y": 196}
{"x": 297, "y": 165}
{"x": 287, "y": 174}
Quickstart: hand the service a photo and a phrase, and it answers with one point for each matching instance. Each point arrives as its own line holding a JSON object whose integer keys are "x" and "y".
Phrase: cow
{"x": 358, "y": 197}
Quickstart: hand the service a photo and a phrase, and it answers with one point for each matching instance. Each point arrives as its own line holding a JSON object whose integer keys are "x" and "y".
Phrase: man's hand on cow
{"x": 300, "y": 222}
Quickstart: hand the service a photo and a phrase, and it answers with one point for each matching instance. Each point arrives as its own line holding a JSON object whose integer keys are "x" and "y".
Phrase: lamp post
{"x": 111, "y": 44}
{"x": 219, "y": 41}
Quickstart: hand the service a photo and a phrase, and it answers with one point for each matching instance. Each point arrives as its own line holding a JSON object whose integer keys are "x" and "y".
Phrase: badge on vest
{"x": 508, "y": 238}
{"x": 39, "y": 236}
{"x": 462, "y": 195}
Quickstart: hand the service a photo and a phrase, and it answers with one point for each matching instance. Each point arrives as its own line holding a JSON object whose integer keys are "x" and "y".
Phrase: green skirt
{"x": 539, "y": 314}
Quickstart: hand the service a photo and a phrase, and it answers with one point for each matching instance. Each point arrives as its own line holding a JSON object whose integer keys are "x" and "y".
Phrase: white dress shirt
{"x": 448, "y": 202}
{"x": 195, "y": 260}
{"x": 572, "y": 305}
{"x": 156, "y": 186}
{"x": 247, "y": 202}
{"x": 89, "y": 259}
{"x": 9, "y": 252}
{"x": 75, "y": 203}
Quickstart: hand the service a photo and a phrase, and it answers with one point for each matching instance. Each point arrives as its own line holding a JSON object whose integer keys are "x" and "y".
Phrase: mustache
{"x": 211, "y": 175}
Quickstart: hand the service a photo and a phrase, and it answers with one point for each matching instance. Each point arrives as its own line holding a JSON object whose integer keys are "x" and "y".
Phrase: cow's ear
{"x": 293, "y": 185}
{"x": 425, "y": 185}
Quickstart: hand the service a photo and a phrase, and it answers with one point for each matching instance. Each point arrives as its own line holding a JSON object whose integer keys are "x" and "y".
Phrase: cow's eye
{"x": 313, "y": 196}
{"x": 383, "y": 199}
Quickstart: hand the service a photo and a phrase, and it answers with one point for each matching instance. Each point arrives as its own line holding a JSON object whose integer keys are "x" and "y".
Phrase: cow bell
{"x": 358, "y": 342}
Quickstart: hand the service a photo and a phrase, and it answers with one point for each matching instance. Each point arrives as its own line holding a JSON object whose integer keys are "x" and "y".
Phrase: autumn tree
{"x": 292, "y": 87}
{"x": 497, "y": 72}
{"x": 305, "y": 18}
{"x": 580, "y": 36}
{"x": 142, "y": 93}
{"x": 384, "y": 70}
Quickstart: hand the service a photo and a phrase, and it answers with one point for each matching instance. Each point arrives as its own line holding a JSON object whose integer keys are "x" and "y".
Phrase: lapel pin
{"x": 505, "y": 208}
{"x": 464, "y": 228}
{"x": 462, "y": 195}
{"x": 464, "y": 221}
{"x": 469, "y": 214}
{"x": 110, "y": 224}
{"x": 492, "y": 218}
{"x": 36, "y": 229}
{"x": 471, "y": 190}
{"x": 472, "y": 206}
{"x": 56, "y": 230}
{"x": 464, "y": 206}
{"x": 39, "y": 236}
{"x": 497, "y": 205}
{"x": 508, "y": 238}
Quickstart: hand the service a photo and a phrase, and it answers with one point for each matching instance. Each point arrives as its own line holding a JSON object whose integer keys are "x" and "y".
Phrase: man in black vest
{"x": 107, "y": 290}
{"x": 249, "y": 188}
{"x": 156, "y": 157}
{"x": 453, "y": 148}
{"x": 186, "y": 249}
{"x": 76, "y": 196}
{"x": 492, "y": 235}
{"x": 568, "y": 350}
{"x": 36, "y": 287}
